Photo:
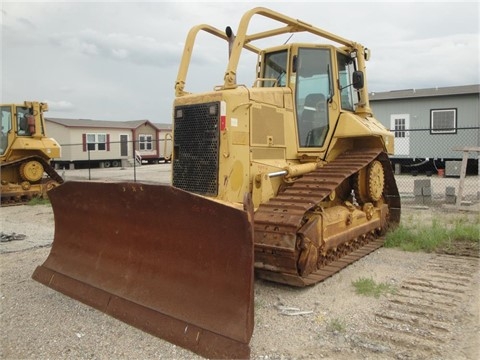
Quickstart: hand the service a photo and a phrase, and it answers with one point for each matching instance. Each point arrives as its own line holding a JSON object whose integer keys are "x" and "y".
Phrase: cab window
{"x": 275, "y": 69}
{"x": 22, "y": 122}
{"x": 313, "y": 90}
{"x": 6, "y": 127}
{"x": 345, "y": 72}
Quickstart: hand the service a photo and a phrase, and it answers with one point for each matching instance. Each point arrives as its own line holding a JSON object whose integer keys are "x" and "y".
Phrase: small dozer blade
{"x": 168, "y": 262}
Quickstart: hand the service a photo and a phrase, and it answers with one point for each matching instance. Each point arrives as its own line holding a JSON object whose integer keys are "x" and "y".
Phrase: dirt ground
{"x": 434, "y": 312}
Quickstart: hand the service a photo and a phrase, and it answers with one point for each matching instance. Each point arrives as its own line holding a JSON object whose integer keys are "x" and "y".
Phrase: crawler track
{"x": 278, "y": 221}
{"x": 23, "y": 197}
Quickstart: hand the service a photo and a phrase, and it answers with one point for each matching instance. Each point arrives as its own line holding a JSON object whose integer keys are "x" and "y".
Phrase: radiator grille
{"x": 196, "y": 143}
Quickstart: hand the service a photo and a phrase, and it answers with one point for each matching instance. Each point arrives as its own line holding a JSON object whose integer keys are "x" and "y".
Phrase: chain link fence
{"x": 428, "y": 167}
{"x": 434, "y": 169}
{"x": 116, "y": 161}
{"x": 114, "y": 153}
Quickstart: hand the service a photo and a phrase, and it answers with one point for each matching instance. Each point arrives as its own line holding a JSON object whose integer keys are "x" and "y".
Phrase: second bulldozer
{"x": 26, "y": 153}
{"x": 288, "y": 179}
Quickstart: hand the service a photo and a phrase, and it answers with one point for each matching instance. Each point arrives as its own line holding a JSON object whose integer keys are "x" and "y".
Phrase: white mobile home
{"x": 99, "y": 143}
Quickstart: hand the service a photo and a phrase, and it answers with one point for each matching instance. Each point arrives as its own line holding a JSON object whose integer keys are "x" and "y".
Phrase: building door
{"x": 123, "y": 145}
{"x": 400, "y": 125}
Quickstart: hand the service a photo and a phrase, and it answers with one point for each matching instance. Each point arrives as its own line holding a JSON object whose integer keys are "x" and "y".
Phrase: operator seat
{"x": 308, "y": 115}
{"x": 22, "y": 125}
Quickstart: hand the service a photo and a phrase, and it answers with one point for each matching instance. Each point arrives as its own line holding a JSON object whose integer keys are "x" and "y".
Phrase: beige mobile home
{"x": 99, "y": 143}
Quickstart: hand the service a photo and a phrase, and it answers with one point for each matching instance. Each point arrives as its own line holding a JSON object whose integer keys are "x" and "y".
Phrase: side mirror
{"x": 358, "y": 80}
{"x": 367, "y": 54}
{"x": 294, "y": 64}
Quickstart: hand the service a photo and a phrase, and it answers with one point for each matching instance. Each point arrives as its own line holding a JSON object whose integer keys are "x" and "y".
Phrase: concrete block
{"x": 450, "y": 199}
{"x": 417, "y": 191}
{"x": 422, "y": 183}
{"x": 450, "y": 190}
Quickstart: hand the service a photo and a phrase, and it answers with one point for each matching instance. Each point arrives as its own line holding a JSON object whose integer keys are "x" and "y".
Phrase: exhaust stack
{"x": 231, "y": 39}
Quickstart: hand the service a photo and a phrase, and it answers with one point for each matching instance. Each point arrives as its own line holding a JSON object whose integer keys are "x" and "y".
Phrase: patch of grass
{"x": 336, "y": 325}
{"x": 39, "y": 201}
{"x": 463, "y": 231}
{"x": 368, "y": 287}
{"x": 432, "y": 237}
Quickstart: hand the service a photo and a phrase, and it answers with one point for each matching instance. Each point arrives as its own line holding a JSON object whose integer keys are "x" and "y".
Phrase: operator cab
{"x": 311, "y": 73}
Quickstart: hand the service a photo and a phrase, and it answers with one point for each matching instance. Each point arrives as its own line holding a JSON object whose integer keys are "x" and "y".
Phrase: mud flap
{"x": 168, "y": 262}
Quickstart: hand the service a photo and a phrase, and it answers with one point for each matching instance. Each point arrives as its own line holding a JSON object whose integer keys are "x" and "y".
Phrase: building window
{"x": 443, "y": 121}
{"x": 101, "y": 142}
{"x": 399, "y": 127}
{"x": 96, "y": 142}
{"x": 91, "y": 142}
{"x": 145, "y": 142}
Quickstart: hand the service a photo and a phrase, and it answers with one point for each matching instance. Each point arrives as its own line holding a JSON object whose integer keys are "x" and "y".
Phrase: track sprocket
{"x": 370, "y": 183}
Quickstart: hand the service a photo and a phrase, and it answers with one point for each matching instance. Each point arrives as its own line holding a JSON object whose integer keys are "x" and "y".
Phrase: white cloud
{"x": 120, "y": 59}
{"x": 442, "y": 61}
{"x": 61, "y": 105}
{"x": 136, "y": 49}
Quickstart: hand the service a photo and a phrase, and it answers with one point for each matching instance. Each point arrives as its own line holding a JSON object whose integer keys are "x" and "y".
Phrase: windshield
{"x": 312, "y": 93}
{"x": 6, "y": 126}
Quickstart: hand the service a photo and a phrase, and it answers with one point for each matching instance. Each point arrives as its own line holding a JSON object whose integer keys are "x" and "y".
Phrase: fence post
{"x": 89, "y": 165}
{"x": 134, "y": 161}
{"x": 463, "y": 171}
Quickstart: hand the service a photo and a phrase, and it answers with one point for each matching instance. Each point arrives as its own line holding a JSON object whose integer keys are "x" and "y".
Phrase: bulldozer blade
{"x": 166, "y": 261}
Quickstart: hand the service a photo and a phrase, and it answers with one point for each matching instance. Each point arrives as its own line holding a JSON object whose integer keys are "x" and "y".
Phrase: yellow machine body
{"x": 25, "y": 153}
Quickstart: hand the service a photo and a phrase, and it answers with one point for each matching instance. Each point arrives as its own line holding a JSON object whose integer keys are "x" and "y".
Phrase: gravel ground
{"x": 433, "y": 314}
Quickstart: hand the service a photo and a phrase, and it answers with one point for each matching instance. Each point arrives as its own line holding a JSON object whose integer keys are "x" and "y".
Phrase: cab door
{"x": 312, "y": 93}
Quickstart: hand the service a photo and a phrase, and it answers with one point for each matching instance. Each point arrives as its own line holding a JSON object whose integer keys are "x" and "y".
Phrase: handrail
{"x": 293, "y": 25}
{"x": 138, "y": 157}
{"x": 242, "y": 40}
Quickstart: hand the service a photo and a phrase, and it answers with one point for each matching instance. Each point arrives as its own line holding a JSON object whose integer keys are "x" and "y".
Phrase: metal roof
{"x": 88, "y": 123}
{"x": 422, "y": 93}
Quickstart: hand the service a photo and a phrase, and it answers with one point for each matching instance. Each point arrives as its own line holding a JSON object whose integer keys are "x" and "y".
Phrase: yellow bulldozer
{"x": 288, "y": 180}
{"x": 25, "y": 154}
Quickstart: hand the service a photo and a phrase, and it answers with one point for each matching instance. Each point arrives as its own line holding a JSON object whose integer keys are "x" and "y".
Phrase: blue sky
{"x": 118, "y": 60}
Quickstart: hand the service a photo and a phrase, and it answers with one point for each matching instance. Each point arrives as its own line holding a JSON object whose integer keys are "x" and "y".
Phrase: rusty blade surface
{"x": 166, "y": 261}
